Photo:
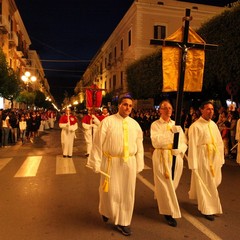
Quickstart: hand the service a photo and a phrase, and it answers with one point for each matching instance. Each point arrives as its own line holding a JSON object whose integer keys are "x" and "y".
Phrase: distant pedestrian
{"x": 22, "y": 128}
{"x": 5, "y": 128}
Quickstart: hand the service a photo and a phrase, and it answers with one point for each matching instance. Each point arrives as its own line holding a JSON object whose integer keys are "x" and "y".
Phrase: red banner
{"x": 93, "y": 97}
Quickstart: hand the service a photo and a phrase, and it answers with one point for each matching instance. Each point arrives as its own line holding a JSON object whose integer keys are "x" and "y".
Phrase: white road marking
{"x": 201, "y": 227}
{"x": 4, "y": 162}
{"x": 65, "y": 166}
{"x": 29, "y": 167}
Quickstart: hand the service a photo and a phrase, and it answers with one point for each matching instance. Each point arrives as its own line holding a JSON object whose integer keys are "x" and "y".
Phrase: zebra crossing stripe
{"x": 29, "y": 167}
{"x": 4, "y": 162}
{"x": 65, "y": 166}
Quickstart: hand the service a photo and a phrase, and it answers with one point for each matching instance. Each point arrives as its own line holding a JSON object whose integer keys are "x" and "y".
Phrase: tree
{"x": 9, "y": 81}
{"x": 144, "y": 76}
{"x": 40, "y": 100}
{"x": 26, "y": 97}
{"x": 223, "y": 66}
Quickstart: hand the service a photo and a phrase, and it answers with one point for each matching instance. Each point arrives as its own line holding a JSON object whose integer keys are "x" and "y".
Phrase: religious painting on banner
{"x": 93, "y": 97}
{"x": 171, "y": 58}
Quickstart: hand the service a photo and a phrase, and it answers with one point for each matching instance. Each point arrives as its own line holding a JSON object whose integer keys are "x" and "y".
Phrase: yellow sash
{"x": 125, "y": 141}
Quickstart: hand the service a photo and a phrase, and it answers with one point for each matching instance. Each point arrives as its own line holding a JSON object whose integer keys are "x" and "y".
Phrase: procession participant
{"x": 162, "y": 135}
{"x": 51, "y": 118}
{"x": 104, "y": 113}
{"x": 118, "y": 151}
{"x": 90, "y": 123}
{"x": 69, "y": 124}
{"x": 205, "y": 159}
{"x": 237, "y": 137}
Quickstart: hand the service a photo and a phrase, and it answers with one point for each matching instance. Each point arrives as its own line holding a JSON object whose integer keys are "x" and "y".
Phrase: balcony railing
{"x": 13, "y": 39}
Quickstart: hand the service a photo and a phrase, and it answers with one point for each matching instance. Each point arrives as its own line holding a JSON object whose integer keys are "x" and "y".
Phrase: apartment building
{"x": 130, "y": 40}
{"x": 15, "y": 42}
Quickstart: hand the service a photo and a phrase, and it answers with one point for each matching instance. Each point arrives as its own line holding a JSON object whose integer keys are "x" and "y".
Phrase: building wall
{"x": 139, "y": 22}
{"x": 15, "y": 42}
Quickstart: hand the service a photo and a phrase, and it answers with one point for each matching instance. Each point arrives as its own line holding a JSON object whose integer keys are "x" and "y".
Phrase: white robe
{"x": 89, "y": 132}
{"x": 162, "y": 137}
{"x": 206, "y": 167}
{"x": 67, "y": 138}
{"x": 117, "y": 204}
{"x": 237, "y": 137}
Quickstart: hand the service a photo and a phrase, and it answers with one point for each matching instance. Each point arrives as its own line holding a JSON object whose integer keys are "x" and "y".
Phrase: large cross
{"x": 184, "y": 45}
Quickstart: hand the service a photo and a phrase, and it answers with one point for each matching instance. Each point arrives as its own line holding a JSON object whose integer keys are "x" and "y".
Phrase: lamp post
{"x": 28, "y": 78}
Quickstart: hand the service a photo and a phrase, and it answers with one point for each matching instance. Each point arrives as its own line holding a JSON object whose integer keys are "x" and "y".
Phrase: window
{"x": 121, "y": 47}
{"x": 130, "y": 38}
{"x": 105, "y": 62}
{"x": 110, "y": 58}
{"x": 159, "y": 32}
{"x": 121, "y": 78}
{"x": 114, "y": 82}
{"x": 115, "y": 53}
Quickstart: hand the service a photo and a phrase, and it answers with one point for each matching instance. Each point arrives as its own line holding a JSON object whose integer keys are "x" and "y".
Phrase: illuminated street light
{"x": 27, "y": 77}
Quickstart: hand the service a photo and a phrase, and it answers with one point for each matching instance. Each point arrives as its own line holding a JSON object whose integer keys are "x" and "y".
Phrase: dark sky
{"x": 73, "y": 31}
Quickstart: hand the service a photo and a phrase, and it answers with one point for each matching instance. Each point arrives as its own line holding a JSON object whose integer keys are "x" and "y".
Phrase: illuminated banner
{"x": 171, "y": 59}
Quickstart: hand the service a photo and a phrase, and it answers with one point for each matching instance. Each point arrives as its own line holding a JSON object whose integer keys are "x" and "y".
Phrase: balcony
{"x": 4, "y": 25}
{"x": 12, "y": 39}
{"x": 109, "y": 65}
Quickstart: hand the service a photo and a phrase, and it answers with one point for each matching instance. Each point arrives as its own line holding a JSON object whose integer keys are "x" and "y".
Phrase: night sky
{"x": 72, "y": 31}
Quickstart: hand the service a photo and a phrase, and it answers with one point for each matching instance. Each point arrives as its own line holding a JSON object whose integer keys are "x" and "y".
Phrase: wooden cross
{"x": 184, "y": 45}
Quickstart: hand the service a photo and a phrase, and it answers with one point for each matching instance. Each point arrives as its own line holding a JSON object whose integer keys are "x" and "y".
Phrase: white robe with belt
{"x": 162, "y": 140}
{"x": 237, "y": 137}
{"x": 118, "y": 202}
{"x": 205, "y": 159}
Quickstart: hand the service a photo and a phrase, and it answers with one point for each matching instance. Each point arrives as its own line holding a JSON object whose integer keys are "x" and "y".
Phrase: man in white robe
{"x": 237, "y": 137}
{"x": 205, "y": 159}
{"x": 90, "y": 123}
{"x": 120, "y": 154}
{"x": 69, "y": 124}
{"x": 162, "y": 135}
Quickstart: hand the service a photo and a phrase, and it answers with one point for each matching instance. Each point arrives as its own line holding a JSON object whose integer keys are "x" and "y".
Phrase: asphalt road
{"x": 44, "y": 196}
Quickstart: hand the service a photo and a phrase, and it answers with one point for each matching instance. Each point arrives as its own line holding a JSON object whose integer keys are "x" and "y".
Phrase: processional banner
{"x": 171, "y": 59}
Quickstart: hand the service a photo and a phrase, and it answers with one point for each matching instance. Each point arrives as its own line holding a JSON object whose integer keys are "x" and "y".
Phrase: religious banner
{"x": 171, "y": 59}
{"x": 93, "y": 97}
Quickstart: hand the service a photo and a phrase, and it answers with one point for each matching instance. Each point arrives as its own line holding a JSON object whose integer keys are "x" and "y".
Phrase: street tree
{"x": 144, "y": 76}
{"x": 9, "y": 80}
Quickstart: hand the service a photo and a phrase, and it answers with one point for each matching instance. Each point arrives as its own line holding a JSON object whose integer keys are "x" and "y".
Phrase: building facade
{"x": 130, "y": 40}
{"x": 15, "y": 43}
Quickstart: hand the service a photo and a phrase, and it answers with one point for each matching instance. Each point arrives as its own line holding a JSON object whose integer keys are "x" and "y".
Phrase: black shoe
{"x": 105, "y": 219}
{"x": 64, "y": 156}
{"x": 86, "y": 155}
{"x": 171, "y": 221}
{"x": 69, "y": 156}
{"x": 209, "y": 217}
{"x": 125, "y": 230}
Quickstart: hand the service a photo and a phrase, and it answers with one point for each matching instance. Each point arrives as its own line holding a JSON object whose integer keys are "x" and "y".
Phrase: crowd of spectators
{"x": 225, "y": 119}
{"x": 23, "y": 125}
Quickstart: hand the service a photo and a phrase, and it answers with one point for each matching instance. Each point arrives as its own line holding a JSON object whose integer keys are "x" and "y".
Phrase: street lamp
{"x": 27, "y": 77}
